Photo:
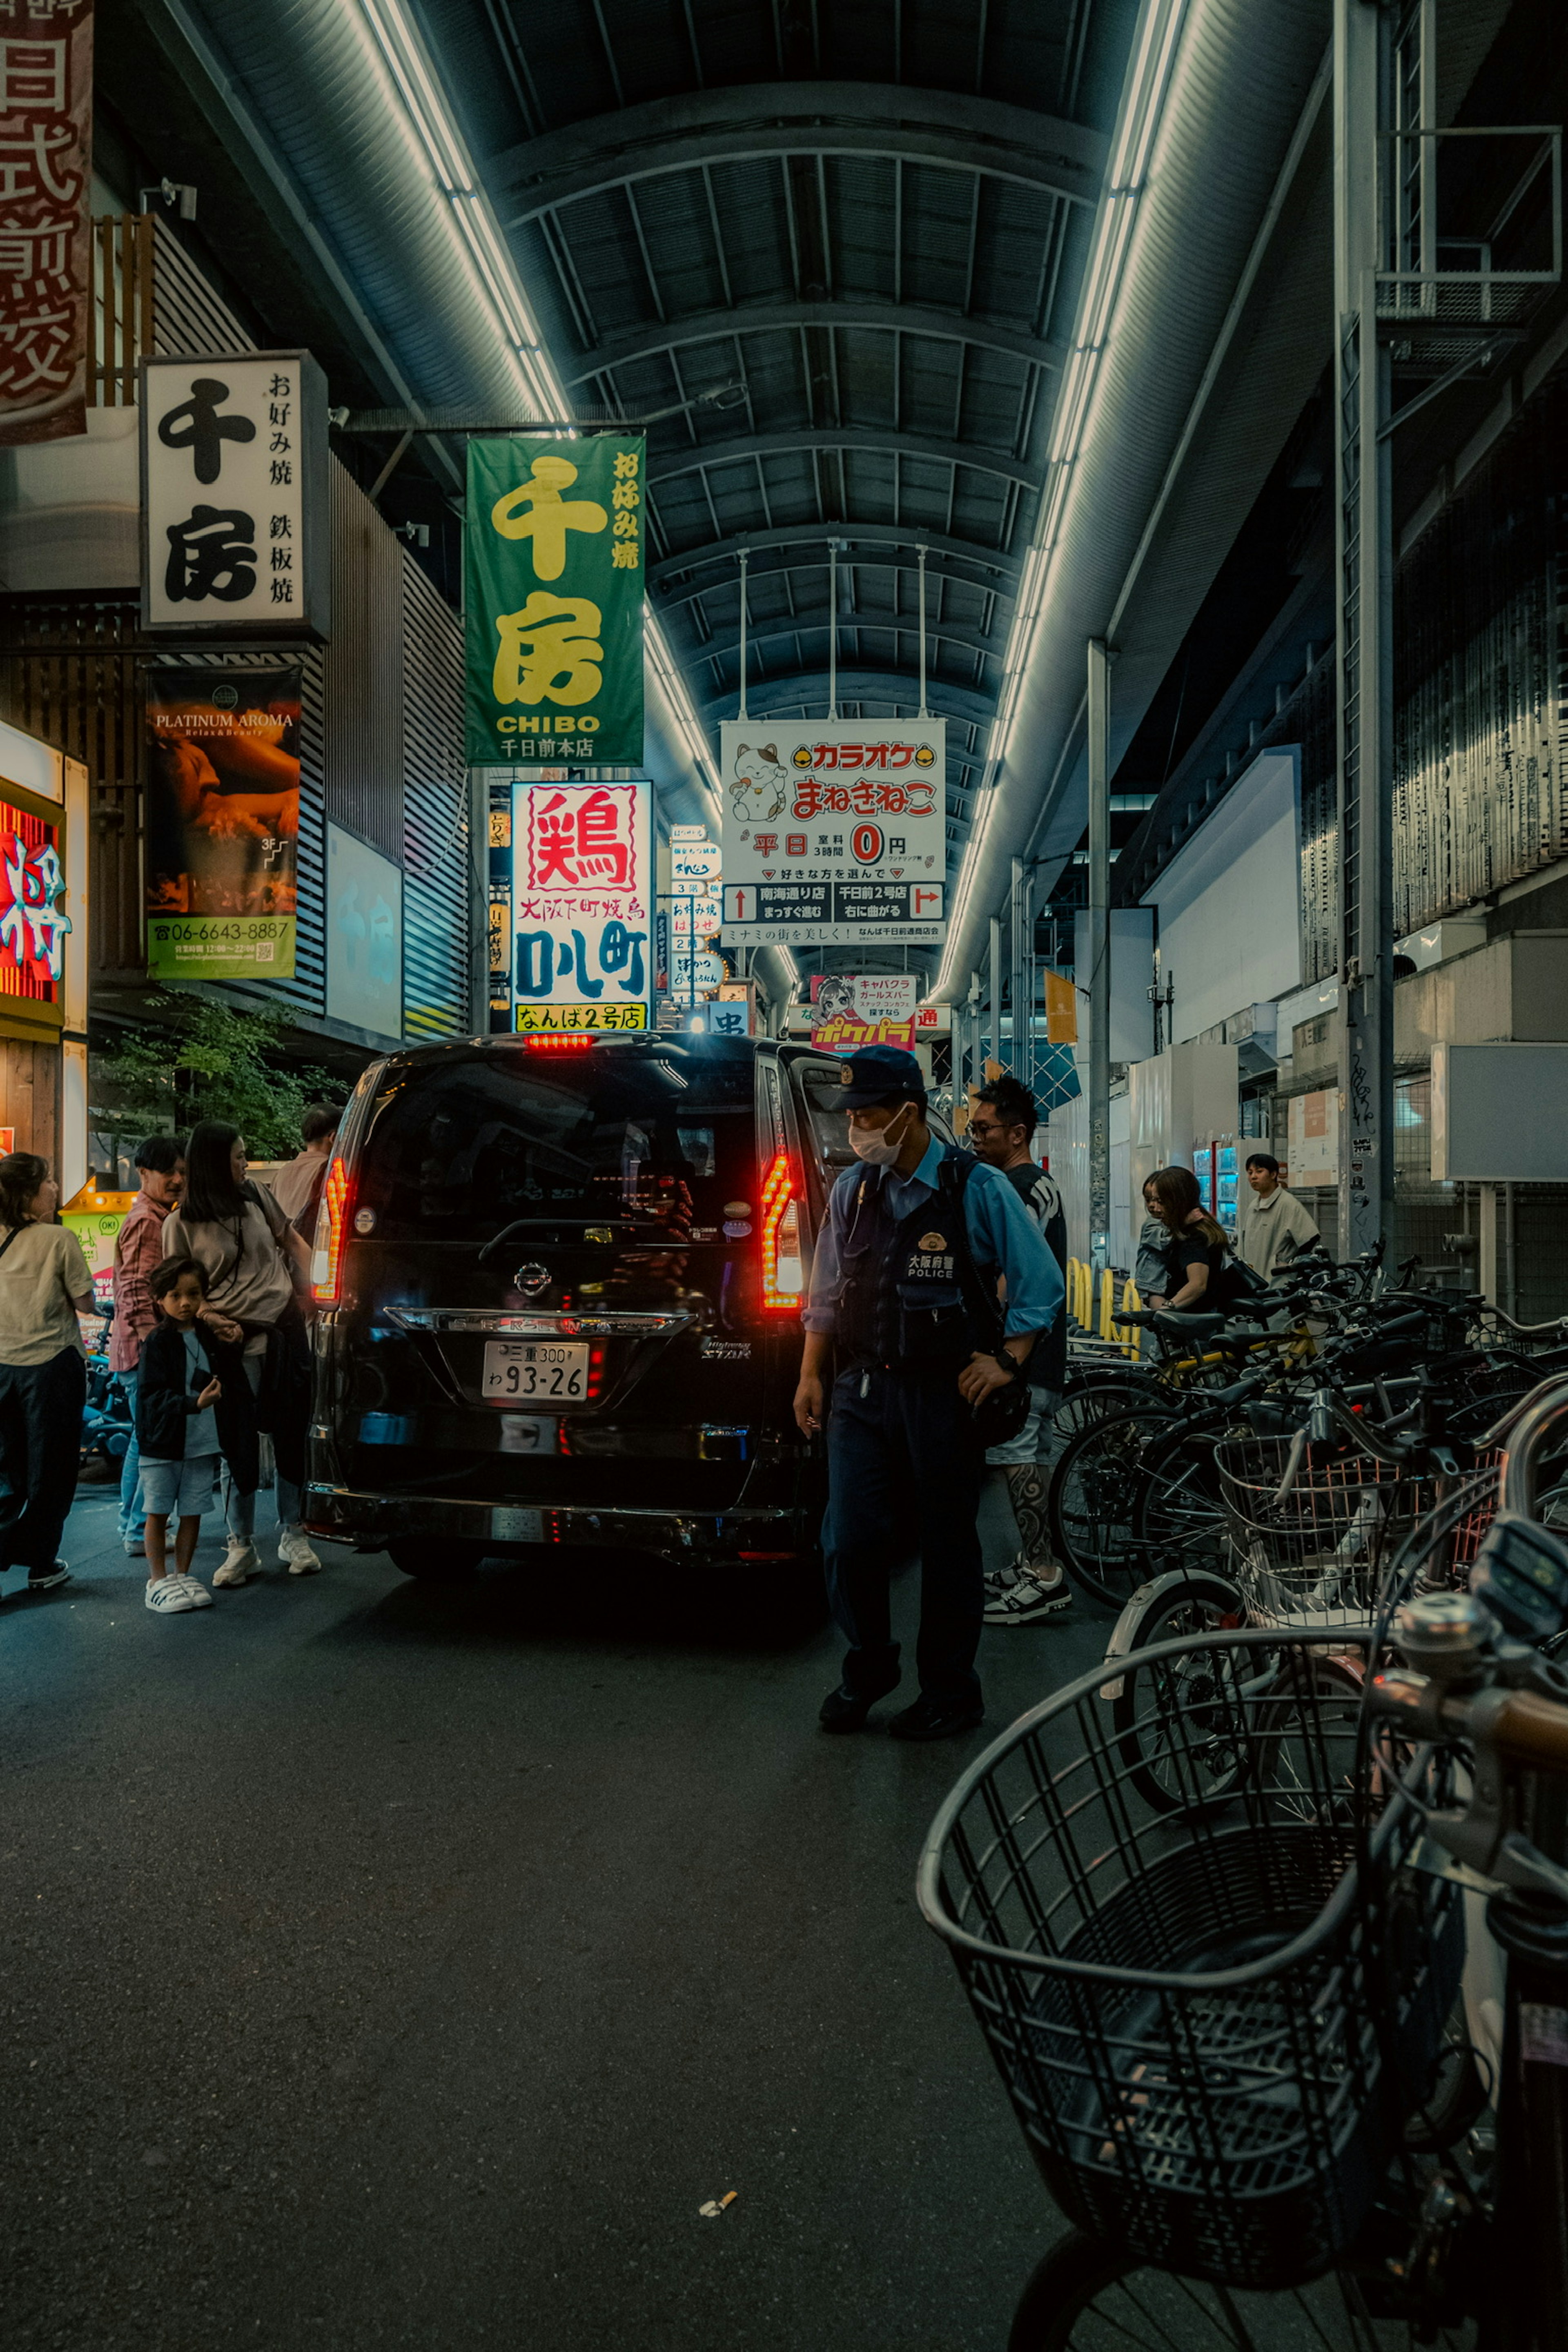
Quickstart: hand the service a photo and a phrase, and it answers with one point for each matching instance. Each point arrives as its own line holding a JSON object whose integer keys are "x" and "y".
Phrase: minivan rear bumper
{"x": 369, "y": 1521}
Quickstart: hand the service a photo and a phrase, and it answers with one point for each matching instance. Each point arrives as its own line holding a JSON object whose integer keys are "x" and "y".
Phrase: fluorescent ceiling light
{"x": 1145, "y": 87}
{"x": 417, "y": 103}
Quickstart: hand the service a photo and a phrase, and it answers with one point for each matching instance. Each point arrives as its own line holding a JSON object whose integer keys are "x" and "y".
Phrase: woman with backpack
{"x": 250, "y": 1255}
{"x": 44, "y": 1285}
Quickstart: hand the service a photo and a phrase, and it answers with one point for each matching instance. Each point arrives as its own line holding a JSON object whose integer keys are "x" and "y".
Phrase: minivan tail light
{"x": 784, "y": 1267}
{"x": 331, "y": 1232}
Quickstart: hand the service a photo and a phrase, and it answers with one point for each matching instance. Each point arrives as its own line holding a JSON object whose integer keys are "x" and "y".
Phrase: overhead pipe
{"x": 1230, "y": 119}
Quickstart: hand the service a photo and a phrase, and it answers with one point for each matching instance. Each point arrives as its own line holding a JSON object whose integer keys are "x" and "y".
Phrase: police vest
{"x": 911, "y": 1297}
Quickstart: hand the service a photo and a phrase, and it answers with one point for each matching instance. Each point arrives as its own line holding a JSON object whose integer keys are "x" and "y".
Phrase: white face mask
{"x": 876, "y": 1144}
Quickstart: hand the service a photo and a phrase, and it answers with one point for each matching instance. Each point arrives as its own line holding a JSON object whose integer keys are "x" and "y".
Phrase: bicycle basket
{"x": 1309, "y": 1550}
{"x": 1208, "y": 2023}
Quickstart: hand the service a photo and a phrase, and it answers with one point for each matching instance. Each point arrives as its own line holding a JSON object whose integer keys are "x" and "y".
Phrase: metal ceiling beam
{"x": 1003, "y": 567}
{"x": 775, "y": 697}
{"x": 779, "y": 318}
{"x": 789, "y": 625}
{"x": 816, "y": 118}
{"x": 859, "y": 563}
{"x": 872, "y": 441}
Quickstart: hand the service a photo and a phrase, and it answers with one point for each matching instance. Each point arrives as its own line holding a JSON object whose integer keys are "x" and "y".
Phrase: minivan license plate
{"x": 553, "y": 1371}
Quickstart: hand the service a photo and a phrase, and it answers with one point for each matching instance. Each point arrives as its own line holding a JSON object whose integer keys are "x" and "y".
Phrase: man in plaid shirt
{"x": 161, "y": 1164}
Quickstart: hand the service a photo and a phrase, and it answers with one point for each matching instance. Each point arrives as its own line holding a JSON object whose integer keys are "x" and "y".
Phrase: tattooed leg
{"x": 1026, "y": 1493}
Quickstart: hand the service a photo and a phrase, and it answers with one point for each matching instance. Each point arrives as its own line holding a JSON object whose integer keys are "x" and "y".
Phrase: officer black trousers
{"x": 904, "y": 1454}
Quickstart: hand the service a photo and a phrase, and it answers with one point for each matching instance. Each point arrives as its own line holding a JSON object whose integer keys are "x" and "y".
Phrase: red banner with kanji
{"x": 45, "y": 241}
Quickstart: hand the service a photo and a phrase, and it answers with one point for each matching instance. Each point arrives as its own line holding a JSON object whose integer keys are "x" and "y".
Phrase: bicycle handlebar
{"x": 1532, "y": 1730}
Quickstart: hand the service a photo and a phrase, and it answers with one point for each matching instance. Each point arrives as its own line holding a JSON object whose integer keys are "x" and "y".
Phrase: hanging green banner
{"x": 554, "y": 597}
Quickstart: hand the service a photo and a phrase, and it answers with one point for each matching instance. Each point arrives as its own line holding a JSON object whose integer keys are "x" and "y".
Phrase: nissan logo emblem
{"x": 532, "y": 1278}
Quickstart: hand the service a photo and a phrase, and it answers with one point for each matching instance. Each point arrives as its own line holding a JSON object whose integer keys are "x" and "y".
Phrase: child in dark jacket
{"x": 180, "y": 1409}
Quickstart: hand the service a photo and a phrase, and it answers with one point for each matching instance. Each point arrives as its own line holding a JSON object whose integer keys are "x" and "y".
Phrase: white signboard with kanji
{"x": 234, "y": 496}
{"x": 834, "y": 830}
{"x": 581, "y": 899}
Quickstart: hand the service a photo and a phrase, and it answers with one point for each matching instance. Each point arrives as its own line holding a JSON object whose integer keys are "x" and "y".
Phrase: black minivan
{"x": 559, "y": 1281}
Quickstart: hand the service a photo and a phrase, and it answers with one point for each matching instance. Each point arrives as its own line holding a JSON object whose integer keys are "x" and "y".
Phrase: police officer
{"x": 903, "y": 1285}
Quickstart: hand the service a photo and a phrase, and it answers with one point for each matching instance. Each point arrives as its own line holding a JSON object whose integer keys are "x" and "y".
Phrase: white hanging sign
{"x": 835, "y": 830}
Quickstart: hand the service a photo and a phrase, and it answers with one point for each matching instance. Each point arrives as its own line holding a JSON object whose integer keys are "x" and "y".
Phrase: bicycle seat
{"x": 1138, "y": 1315}
{"x": 1195, "y": 1327}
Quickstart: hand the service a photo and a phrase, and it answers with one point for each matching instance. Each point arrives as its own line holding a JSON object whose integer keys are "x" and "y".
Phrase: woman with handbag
{"x": 44, "y": 1285}
{"x": 250, "y": 1254}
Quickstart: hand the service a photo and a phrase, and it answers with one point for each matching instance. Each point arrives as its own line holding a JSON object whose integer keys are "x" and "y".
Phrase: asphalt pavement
{"x": 392, "y": 1965}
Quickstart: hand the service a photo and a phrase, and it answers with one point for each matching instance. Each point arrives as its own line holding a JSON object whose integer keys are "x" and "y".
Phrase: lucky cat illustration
{"x": 758, "y": 787}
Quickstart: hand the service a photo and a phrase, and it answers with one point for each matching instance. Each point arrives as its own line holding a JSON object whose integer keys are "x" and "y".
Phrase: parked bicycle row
{"x": 1266, "y": 1921}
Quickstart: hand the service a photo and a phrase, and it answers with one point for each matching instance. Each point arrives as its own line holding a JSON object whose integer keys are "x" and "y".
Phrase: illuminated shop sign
{"x": 582, "y": 904}
{"x": 34, "y": 923}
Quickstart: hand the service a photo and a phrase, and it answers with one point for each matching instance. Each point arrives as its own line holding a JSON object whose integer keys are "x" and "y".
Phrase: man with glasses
{"x": 1031, "y": 1588}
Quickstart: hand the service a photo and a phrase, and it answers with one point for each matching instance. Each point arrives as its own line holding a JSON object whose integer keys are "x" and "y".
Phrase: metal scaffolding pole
{"x": 1364, "y": 639}
{"x": 1098, "y": 953}
{"x": 996, "y": 987}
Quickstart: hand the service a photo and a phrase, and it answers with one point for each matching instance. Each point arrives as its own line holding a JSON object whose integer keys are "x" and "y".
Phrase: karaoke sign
{"x": 834, "y": 830}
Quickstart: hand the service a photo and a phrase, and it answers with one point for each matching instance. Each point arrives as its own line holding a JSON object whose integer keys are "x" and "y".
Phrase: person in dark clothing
{"x": 1031, "y": 1587}
{"x": 903, "y": 1293}
{"x": 1203, "y": 1279}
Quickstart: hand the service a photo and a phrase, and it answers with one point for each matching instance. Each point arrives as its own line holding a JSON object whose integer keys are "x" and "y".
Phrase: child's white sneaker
{"x": 295, "y": 1553}
{"x": 239, "y": 1562}
{"x": 167, "y": 1596}
{"x": 200, "y": 1597}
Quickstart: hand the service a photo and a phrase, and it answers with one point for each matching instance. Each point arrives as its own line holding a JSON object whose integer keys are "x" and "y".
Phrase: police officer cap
{"x": 876, "y": 1072}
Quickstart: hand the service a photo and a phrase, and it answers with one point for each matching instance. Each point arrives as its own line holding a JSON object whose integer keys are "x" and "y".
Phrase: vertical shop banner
{"x": 222, "y": 823}
{"x": 34, "y": 920}
{"x": 834, "y": 830}
{"x": 234, "y": 496}
{"x": 582, "y": 897}
{"x": 554, "y": 600}
{"x": 46, "y": 235}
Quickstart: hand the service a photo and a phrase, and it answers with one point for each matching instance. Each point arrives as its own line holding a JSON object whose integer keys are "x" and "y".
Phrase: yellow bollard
{"x": 1132, "y": 1304}
{"x": 1107, "y": 1304}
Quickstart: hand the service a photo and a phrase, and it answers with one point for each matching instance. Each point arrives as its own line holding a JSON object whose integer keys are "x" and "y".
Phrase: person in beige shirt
{"x": 44, "y": 1285}
{"x": 297, "y": 1188}
{"x": 1274, "y": 1224}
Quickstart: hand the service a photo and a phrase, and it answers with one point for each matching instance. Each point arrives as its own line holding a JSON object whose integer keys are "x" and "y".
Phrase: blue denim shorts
{"x": 180, "y": 1490}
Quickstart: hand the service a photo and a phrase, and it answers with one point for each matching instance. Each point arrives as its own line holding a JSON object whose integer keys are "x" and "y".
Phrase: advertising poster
{"x": 553, "y": 624}
{"x": 222, "y": 823}
{"x": 872, "y": 1008}
{"x": 235, "y": 493}
{"x": 834, "y": 830}
{"x": 364, "y": 936}
{"x": 46, "y": 249}
{"x": 583, "y": 899}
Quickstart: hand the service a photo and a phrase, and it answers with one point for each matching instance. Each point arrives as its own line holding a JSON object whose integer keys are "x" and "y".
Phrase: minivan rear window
{"x": 662, "y": 1136}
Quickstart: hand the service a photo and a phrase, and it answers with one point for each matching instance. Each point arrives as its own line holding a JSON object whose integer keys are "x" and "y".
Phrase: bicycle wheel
{"x": 1175, "y": 1722}
{"x": 1093, "y": 1489}
{"x": 1178, "y": 1520}
{"x": 1100, "y": 1395}
{"x": 1087, "y": 2296}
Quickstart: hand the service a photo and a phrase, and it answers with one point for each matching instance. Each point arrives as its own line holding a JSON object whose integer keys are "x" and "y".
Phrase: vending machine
{"x": 1215, "y": 1165}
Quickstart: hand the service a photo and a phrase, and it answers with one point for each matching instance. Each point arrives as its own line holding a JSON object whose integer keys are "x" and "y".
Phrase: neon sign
{"x": 33, "y": 921}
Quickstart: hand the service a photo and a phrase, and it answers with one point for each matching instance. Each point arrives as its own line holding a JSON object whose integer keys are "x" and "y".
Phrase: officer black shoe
{"x": 845, "y": 1710}
{"x": 936, "y": 1719}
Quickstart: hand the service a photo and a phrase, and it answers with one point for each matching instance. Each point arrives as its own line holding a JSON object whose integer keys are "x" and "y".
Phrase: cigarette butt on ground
{"x": 717, "y": 2205}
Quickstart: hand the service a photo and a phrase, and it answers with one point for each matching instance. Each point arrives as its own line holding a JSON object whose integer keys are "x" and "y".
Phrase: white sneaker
{"x": 295, "y": 1554}
{"x": 167, "y": 1597}
{"x": 999, "y": 1581}
{"x": 1030, "y": 1602}
{"x": 239, "y": 1562}
{"x": 200, "y": 1597}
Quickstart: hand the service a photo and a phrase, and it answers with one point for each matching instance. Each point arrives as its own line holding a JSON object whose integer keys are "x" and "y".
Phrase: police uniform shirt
{"x": 1000, "y": 1229}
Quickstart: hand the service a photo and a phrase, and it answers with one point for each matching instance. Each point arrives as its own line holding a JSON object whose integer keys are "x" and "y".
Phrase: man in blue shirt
{"x": 889, "y": 1293}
